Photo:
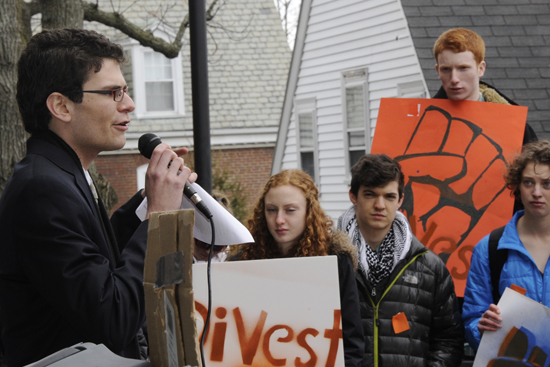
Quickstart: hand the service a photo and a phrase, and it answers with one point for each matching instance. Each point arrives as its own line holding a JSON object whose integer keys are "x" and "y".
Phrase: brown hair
{"x": 460, "y": 40}
{"x": 537, "y": 152}
{"x": 376, "y": 170}
{"x": 315, "y": 240}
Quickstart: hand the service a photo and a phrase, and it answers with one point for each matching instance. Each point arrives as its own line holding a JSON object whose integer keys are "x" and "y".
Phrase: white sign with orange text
{"x": 280, "y": 312}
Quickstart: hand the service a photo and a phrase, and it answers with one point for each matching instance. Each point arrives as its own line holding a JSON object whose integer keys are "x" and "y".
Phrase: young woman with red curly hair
{"x": 288, "y": 221}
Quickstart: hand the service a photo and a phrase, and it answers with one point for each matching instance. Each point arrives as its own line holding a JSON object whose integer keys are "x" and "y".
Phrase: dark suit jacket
{"x": 59, "y": 281}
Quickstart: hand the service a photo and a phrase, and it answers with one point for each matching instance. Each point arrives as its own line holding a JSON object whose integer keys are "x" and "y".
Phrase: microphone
{"x": 146, "y": 144}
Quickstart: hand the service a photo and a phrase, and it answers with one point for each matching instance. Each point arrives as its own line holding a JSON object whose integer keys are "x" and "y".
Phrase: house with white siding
{"x": 349, "y": 54}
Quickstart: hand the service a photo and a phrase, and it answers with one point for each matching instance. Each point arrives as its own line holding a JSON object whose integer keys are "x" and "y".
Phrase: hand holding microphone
{"x": 147, "y": 144}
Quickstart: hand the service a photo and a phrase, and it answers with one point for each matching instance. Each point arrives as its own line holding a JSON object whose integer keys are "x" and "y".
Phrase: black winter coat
{"x": 422, "y": 288}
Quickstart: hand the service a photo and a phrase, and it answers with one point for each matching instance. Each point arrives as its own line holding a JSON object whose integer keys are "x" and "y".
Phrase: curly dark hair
{"x": 58, "y": 60}
{"x": 315, "y": 240}
{"x": 537, "y": 152}
{"x": 376, "y": 170}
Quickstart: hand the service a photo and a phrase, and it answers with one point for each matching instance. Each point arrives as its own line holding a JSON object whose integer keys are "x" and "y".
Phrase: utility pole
{"x": 199, "y": 83}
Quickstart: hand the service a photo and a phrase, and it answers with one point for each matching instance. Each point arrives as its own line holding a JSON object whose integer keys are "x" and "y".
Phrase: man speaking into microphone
{"x": 64, "y": 279}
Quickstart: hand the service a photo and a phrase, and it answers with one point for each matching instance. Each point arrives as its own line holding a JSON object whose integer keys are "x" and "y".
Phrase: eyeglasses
{"x": 118, "y": 93}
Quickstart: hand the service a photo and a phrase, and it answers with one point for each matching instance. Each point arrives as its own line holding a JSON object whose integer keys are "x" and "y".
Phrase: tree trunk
{"x": 62, "y": 14}
{"x": 12, "y": 134}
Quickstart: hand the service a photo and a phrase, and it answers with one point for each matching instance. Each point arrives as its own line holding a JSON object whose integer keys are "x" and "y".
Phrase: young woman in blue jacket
{"x": 527, "y": 239}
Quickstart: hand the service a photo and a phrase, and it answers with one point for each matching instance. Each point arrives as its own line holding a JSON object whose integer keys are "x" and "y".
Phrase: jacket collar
{"x": 441, "y": 94}
{"x": 50, "y": 146}
{"x": 510, "y": 237}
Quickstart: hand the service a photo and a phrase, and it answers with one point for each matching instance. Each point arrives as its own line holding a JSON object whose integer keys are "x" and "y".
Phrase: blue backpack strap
{"x": 496, "y": 261}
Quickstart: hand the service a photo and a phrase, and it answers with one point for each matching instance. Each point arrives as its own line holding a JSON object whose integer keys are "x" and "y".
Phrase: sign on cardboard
{"x": 453, "y": 155}
{"x": 523, "y": 339}
{"x": 271, "y": 312}
{"x": 169, "y": 303}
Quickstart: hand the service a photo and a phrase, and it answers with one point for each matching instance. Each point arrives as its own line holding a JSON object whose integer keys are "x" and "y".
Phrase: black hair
{"x": 58, "y": 60}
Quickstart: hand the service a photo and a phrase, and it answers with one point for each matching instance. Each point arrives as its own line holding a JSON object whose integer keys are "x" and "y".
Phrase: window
{"x": 411, "y": 90}
{"x": 305, "y": 121}
{"x": 159, "y": 83}
{"x": 306, "y": 138}
{"x": 156, "y": 81}
{"x": 356, "y": 121}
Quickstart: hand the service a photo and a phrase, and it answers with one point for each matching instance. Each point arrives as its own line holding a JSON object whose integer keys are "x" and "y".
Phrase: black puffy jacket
{"x": 422, "y": 288}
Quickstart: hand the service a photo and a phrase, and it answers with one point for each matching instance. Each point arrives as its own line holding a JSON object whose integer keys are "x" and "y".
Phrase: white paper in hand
{"x": 229, "y": 231}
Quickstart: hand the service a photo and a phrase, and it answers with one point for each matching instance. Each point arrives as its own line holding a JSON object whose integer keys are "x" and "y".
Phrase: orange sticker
{"x": 400, "y": 323}
{"x": 518, "y": 289}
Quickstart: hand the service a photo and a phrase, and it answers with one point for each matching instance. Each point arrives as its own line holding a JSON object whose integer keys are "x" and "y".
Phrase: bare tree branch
{"x": 287, "y": 10}
{"x": 129, "y": 5}
{"x": 144, "y": 37}
{"x": 211, "y": 12}
{"x": 160, "y": 15}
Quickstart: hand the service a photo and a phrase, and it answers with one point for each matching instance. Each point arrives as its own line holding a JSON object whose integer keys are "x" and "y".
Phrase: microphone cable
{"x": 209, "y": 281}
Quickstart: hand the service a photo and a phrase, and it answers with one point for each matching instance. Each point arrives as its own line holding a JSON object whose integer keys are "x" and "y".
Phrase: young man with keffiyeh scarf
{"x": 409, "y": 310}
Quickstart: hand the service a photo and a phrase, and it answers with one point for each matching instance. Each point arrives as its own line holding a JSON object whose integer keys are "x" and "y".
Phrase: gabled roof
{"x": 292, "y": 81}
{"x": 517, "y": 40}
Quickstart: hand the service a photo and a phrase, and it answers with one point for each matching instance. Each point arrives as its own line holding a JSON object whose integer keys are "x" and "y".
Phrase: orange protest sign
{"x": 453, "y": 155}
